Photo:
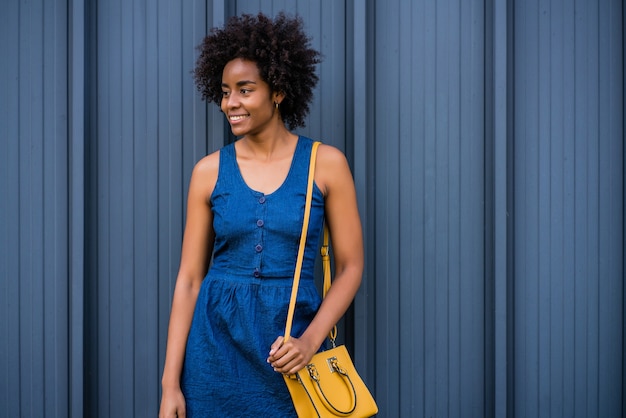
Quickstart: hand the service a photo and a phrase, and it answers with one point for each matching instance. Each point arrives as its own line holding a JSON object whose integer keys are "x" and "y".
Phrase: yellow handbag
{"x": 329, "y": 386}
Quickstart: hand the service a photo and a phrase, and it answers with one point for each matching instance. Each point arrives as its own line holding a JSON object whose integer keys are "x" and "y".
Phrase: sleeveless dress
{"x": 242, "y": 305}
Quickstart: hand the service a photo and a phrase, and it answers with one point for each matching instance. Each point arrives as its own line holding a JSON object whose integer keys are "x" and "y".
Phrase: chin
{"x": 237, "y": 131}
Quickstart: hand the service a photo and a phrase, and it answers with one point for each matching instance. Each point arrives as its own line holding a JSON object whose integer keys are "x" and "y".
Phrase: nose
{"x": 230, "y": 102}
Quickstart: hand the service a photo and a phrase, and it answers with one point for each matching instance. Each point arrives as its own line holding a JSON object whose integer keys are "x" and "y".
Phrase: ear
{"x": 278, "y": 97}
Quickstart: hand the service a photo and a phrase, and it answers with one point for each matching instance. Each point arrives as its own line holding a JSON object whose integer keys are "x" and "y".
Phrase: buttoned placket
{"x": 260, "y": 235}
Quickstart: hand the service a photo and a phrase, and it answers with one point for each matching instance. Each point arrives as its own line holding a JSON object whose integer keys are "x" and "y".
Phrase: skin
{"x": 264, "y": 155}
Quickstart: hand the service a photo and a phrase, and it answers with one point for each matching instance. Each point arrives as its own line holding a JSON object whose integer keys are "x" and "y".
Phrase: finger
{"x": 284, "y": 353}
{"x": 177, "y": 414}
{"x": 286, "y": 360}
{"x": 276, "y": 345}
{"x": 291, "y": 367}
{"x": 295, "y": 369}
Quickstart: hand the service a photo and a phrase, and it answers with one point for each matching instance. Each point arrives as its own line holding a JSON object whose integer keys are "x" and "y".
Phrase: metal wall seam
{"x": 76, "y": 214}
{"x": 362, "y": 145}
{"x": 501, "y": 231}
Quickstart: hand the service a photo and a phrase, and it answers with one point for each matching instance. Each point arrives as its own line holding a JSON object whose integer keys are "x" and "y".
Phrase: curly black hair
{"x": 279, "y": 47}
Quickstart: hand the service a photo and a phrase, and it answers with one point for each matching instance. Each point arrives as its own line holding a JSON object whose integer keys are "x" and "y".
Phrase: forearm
{"x": 183, "y": 305}
{"x": 335, "y": 304}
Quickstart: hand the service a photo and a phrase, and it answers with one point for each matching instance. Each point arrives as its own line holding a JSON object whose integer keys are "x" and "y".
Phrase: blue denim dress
{"x": 243, "y": 301}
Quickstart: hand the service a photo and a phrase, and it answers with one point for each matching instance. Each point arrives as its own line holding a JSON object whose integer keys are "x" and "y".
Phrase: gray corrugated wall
{"x": 429, "y": 212}
{"x": 487, "y": 148}
{"x": 34, "y": 198}
{"x": 147, "y": 129}
{"x": 568, "y": 211}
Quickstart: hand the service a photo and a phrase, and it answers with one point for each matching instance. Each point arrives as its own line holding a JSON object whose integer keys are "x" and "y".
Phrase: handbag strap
{"x": 324, "y": 250}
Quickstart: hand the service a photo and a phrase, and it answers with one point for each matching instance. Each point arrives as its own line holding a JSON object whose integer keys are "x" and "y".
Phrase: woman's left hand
{"x": 291, "y": 356}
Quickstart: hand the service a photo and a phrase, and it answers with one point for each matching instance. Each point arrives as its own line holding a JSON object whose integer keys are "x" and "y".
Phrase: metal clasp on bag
{"x": 292, "y": 376}
{"x": 334, "y": 366}
{"x": 313, "y": 372}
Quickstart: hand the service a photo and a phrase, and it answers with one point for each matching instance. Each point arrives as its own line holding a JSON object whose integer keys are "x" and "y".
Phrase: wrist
{"x": 170, "y": 384}
{"x": 313, "y": 340}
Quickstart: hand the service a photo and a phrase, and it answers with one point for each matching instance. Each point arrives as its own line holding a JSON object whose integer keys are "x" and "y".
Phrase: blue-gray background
{"x": 486, "y": 139}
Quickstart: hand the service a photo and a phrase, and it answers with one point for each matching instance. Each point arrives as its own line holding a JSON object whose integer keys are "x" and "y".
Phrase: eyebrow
{"x": 241, "y": 83}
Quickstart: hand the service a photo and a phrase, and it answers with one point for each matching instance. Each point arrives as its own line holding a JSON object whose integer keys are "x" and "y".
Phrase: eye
{"x": 245, "y": 91}
{"x": 225, "y": 93}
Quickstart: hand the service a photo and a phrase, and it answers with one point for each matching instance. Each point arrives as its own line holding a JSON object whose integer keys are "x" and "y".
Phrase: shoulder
{"x": 331, "y": 168}
{"x": 331, "y": 160}
{"x": 329, "y": 155}
{"x": 208, "y": 164}
{"x": 205, "y": 172}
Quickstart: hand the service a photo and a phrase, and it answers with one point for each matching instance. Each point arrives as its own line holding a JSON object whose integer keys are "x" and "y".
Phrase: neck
{"x": 268, "y": 144}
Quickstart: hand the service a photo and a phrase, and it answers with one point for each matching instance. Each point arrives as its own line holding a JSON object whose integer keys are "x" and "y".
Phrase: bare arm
{"x": 334, "y": 178}
{"x": 196, "y": 253}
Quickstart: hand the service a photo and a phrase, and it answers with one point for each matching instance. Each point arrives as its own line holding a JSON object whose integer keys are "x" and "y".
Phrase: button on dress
{"x": 242, "y": 305}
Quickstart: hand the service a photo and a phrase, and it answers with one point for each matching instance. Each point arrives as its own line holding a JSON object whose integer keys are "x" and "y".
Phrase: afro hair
{"x": 279, "y": 47}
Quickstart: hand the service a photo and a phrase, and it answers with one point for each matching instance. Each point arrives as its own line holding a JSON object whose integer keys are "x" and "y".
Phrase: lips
{"x": 237, "y": 118}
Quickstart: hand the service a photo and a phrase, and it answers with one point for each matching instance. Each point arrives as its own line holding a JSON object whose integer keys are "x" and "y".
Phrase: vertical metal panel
{"x": 499, "y": 190}
{"x": 149, "y": 129}
{"x": 360, "y": 110}
{"x": 429, "y": 208}
{"x": 34, "y": 207}
{"x": 203, "y": 128}
{"x": 76, "y": 164}
{"x": 610, "y": 207}
{"x": 569, "y": 208}
{"x": 9, "y": 209}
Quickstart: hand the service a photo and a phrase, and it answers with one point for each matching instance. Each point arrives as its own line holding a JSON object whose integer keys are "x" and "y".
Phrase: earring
{"x": 276, "y": 105}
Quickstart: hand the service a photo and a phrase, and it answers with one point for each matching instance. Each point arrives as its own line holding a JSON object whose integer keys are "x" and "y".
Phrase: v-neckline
{"x": 282, "y": 184}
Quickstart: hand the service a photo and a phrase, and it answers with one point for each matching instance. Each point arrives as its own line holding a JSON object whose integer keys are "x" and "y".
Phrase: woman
{"x": 225, "y": 350}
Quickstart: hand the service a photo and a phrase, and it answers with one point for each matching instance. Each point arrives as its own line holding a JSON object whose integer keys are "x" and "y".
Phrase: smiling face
{"x": 247, "y": 101}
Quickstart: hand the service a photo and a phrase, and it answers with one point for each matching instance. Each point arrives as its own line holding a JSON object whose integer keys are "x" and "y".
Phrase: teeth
{"x": 238, "y": 117}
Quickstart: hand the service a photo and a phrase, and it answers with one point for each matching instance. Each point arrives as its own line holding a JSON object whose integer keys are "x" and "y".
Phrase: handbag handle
{"x": 333, "y": 364}
{"x": 324, "y": 250}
